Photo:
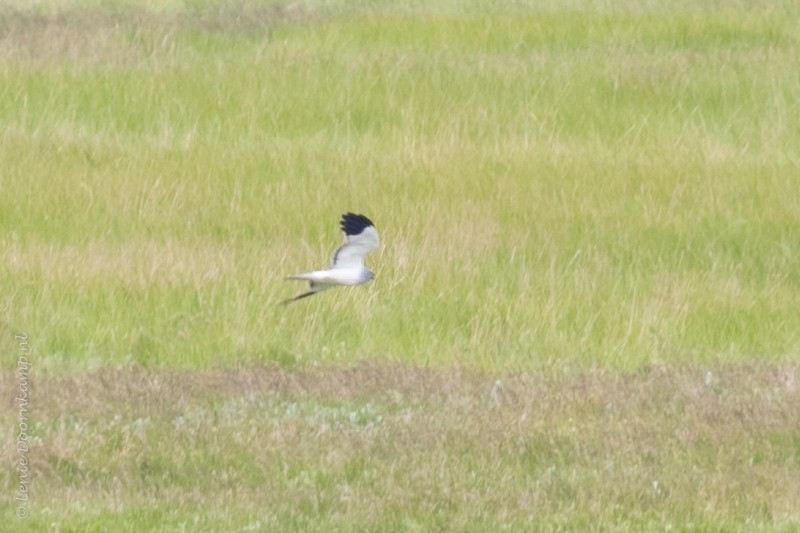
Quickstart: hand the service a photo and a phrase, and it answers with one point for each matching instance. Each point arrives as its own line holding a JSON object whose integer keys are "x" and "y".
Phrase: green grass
{"x": 554, "y": 187}
{"x": 560, "y": 188}
{"x": 388, "y": 448}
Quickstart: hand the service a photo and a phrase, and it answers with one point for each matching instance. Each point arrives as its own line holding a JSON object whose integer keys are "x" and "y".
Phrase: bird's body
{"x": 347, "y": 267}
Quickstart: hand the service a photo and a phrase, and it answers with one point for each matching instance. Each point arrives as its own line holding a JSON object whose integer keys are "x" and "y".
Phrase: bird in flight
{"x": 347, "y": 267}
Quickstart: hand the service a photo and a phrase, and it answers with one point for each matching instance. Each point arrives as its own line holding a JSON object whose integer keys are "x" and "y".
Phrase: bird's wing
{"x": 314, "y": 287}
{"x": 361, "y": 238}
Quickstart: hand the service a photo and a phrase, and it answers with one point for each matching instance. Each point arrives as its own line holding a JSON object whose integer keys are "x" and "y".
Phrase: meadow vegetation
{"x": 386, "y": 447}
{"x": 565, "y": 191}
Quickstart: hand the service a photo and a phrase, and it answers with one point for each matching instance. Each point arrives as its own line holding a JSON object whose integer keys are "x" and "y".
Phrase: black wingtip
{"x": 353, "y": 224}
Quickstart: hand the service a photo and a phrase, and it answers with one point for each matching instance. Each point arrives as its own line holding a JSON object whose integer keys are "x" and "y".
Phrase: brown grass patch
{"x": 373, "y": 443}
{"x": 93, "y": 34}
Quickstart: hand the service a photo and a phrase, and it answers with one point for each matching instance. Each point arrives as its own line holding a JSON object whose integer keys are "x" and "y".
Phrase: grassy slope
{"x": 558, "y": 188}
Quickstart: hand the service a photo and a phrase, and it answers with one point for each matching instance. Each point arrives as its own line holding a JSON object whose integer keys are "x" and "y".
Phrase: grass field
{"x": 595, "y": 203}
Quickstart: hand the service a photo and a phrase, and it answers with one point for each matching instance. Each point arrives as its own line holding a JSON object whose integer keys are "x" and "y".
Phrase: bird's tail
{"x": 314, "y": 287}
{"x": 305, "y": 276}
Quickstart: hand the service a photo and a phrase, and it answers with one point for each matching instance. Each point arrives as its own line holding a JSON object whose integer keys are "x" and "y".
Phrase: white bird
{"x": 347, "y": 267}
